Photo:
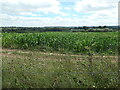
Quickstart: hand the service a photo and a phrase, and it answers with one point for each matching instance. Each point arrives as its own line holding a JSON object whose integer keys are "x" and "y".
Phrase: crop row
{"x": 80, "y": 43}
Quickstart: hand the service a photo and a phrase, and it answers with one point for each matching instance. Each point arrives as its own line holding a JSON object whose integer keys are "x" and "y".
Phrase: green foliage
{"x": 78, "y": 43}
{"x": 36, "y": 70}
{"x": 60, "y": 29}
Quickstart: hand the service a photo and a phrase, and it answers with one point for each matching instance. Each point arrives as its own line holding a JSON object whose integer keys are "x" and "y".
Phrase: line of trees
{"x": 59, "y": 29}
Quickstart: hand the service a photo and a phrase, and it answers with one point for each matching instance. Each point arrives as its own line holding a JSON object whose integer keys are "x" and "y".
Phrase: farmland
{"x": 60, "y": 60}
{"x": 26, "y": 69}
{"x": 64, "y": 42}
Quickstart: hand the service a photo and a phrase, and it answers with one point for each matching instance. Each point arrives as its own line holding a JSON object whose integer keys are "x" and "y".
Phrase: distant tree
{"x": 104, "y": 26}
{"x": 75, "y": 27}
{"x": 100, "y": 27}
{"x": 79, "y": 28}
{"x": 85, "y": 28}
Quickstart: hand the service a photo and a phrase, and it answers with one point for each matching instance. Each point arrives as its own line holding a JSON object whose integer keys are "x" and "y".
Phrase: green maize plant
{"x": 105, "y": 42}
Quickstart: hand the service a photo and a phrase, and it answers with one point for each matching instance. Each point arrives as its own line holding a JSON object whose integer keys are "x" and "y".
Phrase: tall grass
{"x": 35, "y": 70}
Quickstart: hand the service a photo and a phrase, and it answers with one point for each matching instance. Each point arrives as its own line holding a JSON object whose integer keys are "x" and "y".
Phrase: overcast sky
{"x": 37, "y": 13}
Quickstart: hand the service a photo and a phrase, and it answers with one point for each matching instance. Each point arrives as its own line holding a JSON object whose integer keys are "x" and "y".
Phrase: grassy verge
{"x": 25, "y": 69}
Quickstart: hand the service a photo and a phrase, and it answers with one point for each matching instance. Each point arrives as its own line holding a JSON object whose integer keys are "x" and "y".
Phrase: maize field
{"x": 60, "y": 60}
{"x": 64, "y": 42}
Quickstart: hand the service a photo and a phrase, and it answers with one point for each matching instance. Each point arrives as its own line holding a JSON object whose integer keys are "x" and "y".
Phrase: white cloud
{"x": 95, "y": 19}
{"x": 41, "y": 21}
{"x": 30, "y": 6}
{"x": 67, "y": 0}
{"x": 75, "y": 15}
{"x": 67, "y": 8}
{"x": 103, "y": 12}
{"x": 94, "y": 5}
{"x": 14, "y": 13}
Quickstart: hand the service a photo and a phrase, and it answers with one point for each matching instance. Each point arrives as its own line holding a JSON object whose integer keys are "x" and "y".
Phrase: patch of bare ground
{"x": 10, "y": 53}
